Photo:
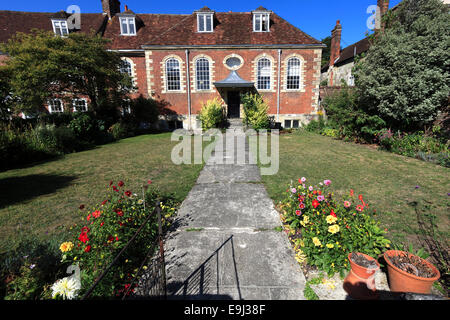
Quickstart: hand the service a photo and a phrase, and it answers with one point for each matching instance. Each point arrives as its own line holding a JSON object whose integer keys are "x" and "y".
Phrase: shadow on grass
{"x": 17, "y": 189}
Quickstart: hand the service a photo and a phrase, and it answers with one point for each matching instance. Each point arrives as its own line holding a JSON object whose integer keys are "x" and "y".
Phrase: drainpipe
{"x": 188, "y": 82}
{"x": 279, "y": 85}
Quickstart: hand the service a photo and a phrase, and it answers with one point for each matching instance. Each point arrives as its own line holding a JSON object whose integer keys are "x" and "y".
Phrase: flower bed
{"x": 105, "y": 231}
{"x": 325, "y": 230}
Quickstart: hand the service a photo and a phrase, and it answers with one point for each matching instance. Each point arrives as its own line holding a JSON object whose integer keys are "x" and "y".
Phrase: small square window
{"x": 128, "y": 26}
{"x": 295, "y": 124}
{"x": 79, "y": 105}
{"x": 287, "y": 123}
{"x": 205, "y": 22}
{"x": 55, "y": 106}
{"x": 60, "y": 27}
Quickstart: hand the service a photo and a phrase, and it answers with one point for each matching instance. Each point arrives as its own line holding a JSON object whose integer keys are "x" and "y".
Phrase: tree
{"x": 43, "y": 65}
{"x": 326, "y": 51}
{"x": 405, "y": 76}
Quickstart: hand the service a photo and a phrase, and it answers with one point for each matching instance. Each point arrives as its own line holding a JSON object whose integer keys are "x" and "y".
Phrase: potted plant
{"x": 410, "y": 273}
{"x": 360, "y": 281}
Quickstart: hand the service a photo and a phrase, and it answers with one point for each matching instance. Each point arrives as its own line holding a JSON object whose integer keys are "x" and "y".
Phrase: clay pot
{"x": 360, "y": 281}
{"x": 402, "y": 281}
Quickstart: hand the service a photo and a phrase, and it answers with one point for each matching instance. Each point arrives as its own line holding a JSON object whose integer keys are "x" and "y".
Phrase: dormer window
{"x": 205, "y": 22}
{"x": 127, "y": 26}
{"x": 261, "y": 22}
{"x": 60, "y": 27}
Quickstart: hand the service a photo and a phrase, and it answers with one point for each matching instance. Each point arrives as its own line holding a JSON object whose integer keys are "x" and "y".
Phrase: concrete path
{"x": 223, "y": 244}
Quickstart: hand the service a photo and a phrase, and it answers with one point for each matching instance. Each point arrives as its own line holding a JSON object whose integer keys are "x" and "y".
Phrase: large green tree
{"x": 42, "y": 65}
{"x": 406, "y": 74}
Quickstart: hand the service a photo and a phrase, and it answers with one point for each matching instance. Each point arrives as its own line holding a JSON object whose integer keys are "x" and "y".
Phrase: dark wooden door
{"x": 234, "y": 104}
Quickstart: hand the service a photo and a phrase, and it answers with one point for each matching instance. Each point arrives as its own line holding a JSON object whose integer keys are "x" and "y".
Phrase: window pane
{"x": 293, "y": 74}
{"x": 264, "y": 23}
{"x": 202, "y": 67}
{"x": 201, "y": 23}
{"x": 173, "y": 74}
{"x": 264, "y": 73}
{"x": 55, "y": 106}
{"x": 257, "y": 26}
{"x": 208, "y": 23}
{"x": 64, "y": 29}
{"x": 124, "y": 26}
{"x": 131, "y": 26}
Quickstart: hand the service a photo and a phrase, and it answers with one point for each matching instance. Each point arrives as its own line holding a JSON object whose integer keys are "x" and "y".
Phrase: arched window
{"x": 173, "y": 75}
{"x": 264, "y": 73}
{"x": 293, "y": 74}
{"x": 202, "y": 74}
{"x": 125, "y": 67}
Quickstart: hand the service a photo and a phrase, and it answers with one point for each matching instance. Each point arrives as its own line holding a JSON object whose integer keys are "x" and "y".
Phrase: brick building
{"x": 187, "y": 59}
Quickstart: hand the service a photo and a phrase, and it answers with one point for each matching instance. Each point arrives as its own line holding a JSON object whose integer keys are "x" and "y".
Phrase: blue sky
{"x": 315, "y": 17}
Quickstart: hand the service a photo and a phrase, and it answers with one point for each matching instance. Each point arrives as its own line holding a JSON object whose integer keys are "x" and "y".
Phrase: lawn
{"x": 393, "y": 185}
{"x": 43, "y": 200}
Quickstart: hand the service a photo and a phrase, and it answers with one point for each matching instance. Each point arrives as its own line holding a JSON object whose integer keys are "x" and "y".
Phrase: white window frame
{"x": 204, "y": 16}
{"x": 170, "y": 82}
{"x": 50, "y": 106}
{"x": 126, "y": 106}
{"x": 74, "y": 101}
{"x": 260, "y": 65}
{"x": 260, "y": 16}
{"x": 62, "y": 25}
{"x": 128, "y": 21}
{"x": 202, "y": 73}
{"x": 298, "y": 69}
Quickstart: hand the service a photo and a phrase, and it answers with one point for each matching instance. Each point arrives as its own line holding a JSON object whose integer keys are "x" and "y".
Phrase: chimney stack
{"x": 111, "y": 7}
{"x": 335, "y": 49}
{"x": 383, "y": 6}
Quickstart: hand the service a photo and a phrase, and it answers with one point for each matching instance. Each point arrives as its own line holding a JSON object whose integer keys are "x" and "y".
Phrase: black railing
{"x": 155, "y": 284}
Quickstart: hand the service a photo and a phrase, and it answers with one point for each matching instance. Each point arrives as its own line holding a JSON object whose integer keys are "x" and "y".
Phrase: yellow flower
{"x": 306, "y": 219}
{"x": 330, "y": 245}
{"x": 66, "y": 246}
{"x": 333, "y": 229}
{"x": 331, "y": 219}
{"x": 316, "y": 241}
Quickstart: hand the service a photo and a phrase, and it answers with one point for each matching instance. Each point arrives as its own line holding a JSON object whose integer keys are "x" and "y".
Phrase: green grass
{"x": 43, "y": 200}
{"x": 386, "y": 180}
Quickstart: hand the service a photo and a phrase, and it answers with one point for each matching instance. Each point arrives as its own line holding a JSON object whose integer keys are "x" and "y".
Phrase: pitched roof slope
{"x": 232, "y": 28}
{"x": 18, "y": 21}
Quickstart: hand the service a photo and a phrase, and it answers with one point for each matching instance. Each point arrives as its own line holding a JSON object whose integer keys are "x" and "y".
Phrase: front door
{"x": 234, "y": 104}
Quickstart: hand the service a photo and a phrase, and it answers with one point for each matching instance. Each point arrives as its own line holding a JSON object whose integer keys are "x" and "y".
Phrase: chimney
{"x": 335, "y": 49}
{"x": 111, "y": 7}
{"x": 383, "y": 6}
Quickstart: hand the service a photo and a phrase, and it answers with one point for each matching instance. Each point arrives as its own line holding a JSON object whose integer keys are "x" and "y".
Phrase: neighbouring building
{"x": 187, "y": 59}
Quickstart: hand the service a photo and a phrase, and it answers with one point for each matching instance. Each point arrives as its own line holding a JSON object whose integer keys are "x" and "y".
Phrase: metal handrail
{"x": 160, "y": 240}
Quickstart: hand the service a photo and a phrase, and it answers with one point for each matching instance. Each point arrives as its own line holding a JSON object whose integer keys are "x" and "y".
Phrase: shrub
{"x": 85, "y": 126}
{"x": 212, "y": 115}
{"x": 121, "y": 130}
{"x": 144, "y": 110}
{"x": 330, "y": 229}
{"x": 255, "y": 111}
{"x": 106, "y": 230}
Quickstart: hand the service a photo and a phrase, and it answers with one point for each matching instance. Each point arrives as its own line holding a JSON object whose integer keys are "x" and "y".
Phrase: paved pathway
{"x": 224, "y": 245}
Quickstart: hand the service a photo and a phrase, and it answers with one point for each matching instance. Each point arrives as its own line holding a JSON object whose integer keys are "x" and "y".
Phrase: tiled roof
{"x": 230, "y": 28}
{"x": 18, "y": 21}
{"x": 353, "y": 50}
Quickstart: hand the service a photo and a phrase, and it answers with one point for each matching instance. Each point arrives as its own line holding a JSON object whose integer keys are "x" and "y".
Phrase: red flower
{"x": 149, "y": 181}
{"x": 360, "y": 197}
{"x": 101, "y": 224}
{"x": 104, "y": 202}
{"x": 110, "y": 183}
{"x": 82, "y": 207}
{"x": 315, "y": 203}
{"x": 88, "y": 217}
{"x": 332, "y": 213}
{"x": 120, "y": 184}
{"x": 119, "y": 212}
{"x": 110, "y": 238}
{"x": 314, "y": 192}
{"x": 117, "y": 238}
{"x": 128, "y": 193}
{"x": 121, "y": 223}
{"x": 88, "y": 248}
{"x": 83, "y": 237}
{"x": 298, "y": 212}
{"x": 85, "y": 229}
{"x": 301, "y": 205}
{"x": 96, "y": 214}
{"x": 351, "y": 192}
{"x": 320, "y": 192}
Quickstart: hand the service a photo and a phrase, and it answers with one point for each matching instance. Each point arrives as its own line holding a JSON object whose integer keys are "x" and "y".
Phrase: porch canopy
{"x": 234, "y": 81}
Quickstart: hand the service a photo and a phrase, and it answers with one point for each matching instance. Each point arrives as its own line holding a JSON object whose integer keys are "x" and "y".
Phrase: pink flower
{"x": 320, "y": 198}
{"x": 327, "y": 182}
{"x": 298, "y": 212}
{"x": 360, "y": 208}
{"x": 293, "y": 190}
{"x": 347, "y": 204}
{"x": 311, "y": 188}
{"x": 301, "y": 205}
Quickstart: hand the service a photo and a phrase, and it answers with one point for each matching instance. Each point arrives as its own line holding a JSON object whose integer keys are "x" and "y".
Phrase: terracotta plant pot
{"x": 402, "y": 281}
{"x": 360, "y": 281}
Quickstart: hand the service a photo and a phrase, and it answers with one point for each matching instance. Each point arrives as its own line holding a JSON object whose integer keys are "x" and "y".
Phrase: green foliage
{"x": 255, "y": 111}
{"x": 331, "y": 229}
{"x": 345, "y": 114}
{"x": 143, "y": 110}
{"x": 121, "y": 130}
{"x": 405, "y": 77}
{"x": 43, "y": 65}
{"x": 212, "y": 115}
{"x": 105, "y": 231}
{"x": 84, "y": 126}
